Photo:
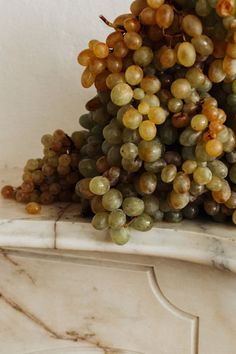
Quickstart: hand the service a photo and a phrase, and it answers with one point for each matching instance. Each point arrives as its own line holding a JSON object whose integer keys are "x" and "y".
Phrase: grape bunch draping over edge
{"x": 158, "y": 140}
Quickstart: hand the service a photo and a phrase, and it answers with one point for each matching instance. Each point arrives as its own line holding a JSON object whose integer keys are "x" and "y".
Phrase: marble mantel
{"x": 66, "y": 289}
{"x": 60, "y": 227}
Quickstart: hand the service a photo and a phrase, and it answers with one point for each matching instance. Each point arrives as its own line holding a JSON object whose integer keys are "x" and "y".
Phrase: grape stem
{"x": 110, "y": 24}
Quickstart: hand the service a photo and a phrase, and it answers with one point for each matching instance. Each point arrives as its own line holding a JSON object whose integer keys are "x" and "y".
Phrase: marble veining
{"x": 60, "y": 227}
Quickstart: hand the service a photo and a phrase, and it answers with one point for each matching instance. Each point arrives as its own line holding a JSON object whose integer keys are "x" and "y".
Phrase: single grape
{"x": 133, "y": 206}
{"x": 100, "y": 221}
{"x": 33, "y": 208}
{"x": 99, "y": 185}
{"x": 121, "y": 94}
{"x": 7, "y": 192}
{"x": 202, "y": 175}
{"x": 147, "y": 130}
{"x": 117, "y": 219}
{"x": 112, "y": 200}
{"x": 142, "y": 223}
{"x": 120, "y": 236}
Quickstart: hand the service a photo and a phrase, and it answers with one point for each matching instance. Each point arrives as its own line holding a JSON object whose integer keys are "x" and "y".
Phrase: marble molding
{"x": 60, "y": 227}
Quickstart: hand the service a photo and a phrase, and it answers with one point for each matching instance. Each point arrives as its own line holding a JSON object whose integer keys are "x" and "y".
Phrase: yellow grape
{"x": 155, "y": 4}
{"x": 157, "y": 115}
{"x": 132, "y": 119}
{"x": 143, "y": 108}
{"x": 134, "y": 75}
{"x": 101, "y": 50}
{"x": 147, "y": 130}
{"x": 87, "y": 78}
{"x": 85, "y": 56}
{"x": 214, "y": 148}
{"x": 186, "y": 54}
{"x": 199, "y": 122}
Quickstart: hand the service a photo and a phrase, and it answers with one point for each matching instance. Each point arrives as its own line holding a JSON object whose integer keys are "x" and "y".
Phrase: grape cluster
{"x": 159, "y": 137}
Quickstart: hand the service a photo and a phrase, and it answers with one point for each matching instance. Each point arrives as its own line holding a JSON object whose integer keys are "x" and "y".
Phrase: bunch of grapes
{"x": 159, "y": 137}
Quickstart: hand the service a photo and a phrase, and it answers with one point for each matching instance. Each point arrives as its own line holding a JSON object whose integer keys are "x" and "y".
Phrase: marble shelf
{"x": 60, "y": 227}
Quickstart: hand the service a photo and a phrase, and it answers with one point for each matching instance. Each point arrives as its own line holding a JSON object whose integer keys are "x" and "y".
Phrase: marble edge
{"x": 59, "y": 227}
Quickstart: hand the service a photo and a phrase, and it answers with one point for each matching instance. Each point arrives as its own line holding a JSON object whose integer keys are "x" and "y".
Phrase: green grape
{"x": 79, "y": 138}
{"x": 113, "y": 156}
{"x": 87, "y": 168}
{"x": 112, "y": 199}
{"x": 131, "y": 136}
{"x": 131, "y": 166}
{"x": 106, "y": 147}
{"x": 186, "y": 54}
{"x": 231, "y": 157}
{"x": 122, "y": 94}
{"x": 120, "y": 236}
{"x": 155, "y": 167}
{"x": 175, "y": 105}
{"x": 82, "y": 189}
{"x": 181, "y": 89}
{"x": 218, "y": 168}
{"x": 117, "y": 219}
{"x": 143, "y": 56}
{"x": 139, "y": 94}
{"x": 201, "y": 154}
{"x": 100, "y": 221}
{"x": 192, "y": 25}
{"x": 32, "y": 165}
{"x": 129, "y": 151}
{"x": 189, "y": 137}
{"x": 151, "y": 100}
{"x": 134, "y": 75}
{"x": 215, "y": 185}
{"x": 196, "y": 189}
{"x": 231, "y": 202}
{"x": 142, "y": 223}
{"x": 199, "y": 122}
{"x": 47, "y": 140}
{"x": 203, "y": 45}
{"x": 100, "y": 116}
{"x": 223, "y": 135}
{"x": 173, "y": 217}
{"x": 151, "y": 204}
{"x": 112, "y": 133}
{"x": 150, "y": 151}
{"x": 196, "y": 77}
{"x": 99, "y": 185}
{"x": 189, "y": 166}
{"x": 133, "y": 206}
{"x": 202, "y": 175}
{"x": 202, "y": 8}
{"x": 234, "y": 217}
{"x": 132, "y": 119}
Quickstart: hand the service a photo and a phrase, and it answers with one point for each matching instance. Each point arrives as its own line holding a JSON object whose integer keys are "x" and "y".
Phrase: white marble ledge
{"x": 59, "y": 227}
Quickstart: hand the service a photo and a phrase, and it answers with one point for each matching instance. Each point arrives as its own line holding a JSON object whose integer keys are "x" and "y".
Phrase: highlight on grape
{"x": 158, "y": 139}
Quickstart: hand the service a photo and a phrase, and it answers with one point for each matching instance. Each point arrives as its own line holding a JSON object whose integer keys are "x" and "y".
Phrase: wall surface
{"x": 40, "y": 88}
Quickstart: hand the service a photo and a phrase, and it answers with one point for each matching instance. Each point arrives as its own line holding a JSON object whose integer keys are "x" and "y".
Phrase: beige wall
{"x": 39, "y": 78}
